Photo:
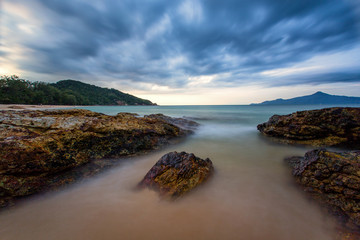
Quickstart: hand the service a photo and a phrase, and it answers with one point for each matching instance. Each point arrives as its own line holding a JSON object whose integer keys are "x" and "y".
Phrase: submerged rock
{"x": 324, "y": 127}
{"x": 332, "y": 179}
{"x": 41, "y": 149}
{"x": 177, "y": 173}
{"x": 183, "y": 123}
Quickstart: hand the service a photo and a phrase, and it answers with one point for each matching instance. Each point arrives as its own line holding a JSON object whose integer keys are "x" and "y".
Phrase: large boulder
{"x": 333, "y": 179}
{"x": 177, "y": 173}
{"x": 38, "y": 149}
{"x": 324, "y": 127}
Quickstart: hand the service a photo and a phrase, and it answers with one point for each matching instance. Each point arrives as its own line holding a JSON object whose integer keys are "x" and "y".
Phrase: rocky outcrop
{"x": 332, "y": 179}
{"x": 183, "y": 123}
{"x": 44, "y": 149}
{"x": 177, "y": 173}
{"x": 324, "y": 127}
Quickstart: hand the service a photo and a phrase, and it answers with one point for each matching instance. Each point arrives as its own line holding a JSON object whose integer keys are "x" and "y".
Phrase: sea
{"x": 252, "y": 194}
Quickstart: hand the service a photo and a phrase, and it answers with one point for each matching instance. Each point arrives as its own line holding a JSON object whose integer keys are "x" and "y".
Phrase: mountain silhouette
{"x": 316, "y": 98}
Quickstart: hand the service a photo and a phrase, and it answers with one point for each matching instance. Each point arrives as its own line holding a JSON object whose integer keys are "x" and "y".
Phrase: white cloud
{"x": 200, "y": 80}
{"x": 191, "y": 11}
{"x": 289, "y": 71}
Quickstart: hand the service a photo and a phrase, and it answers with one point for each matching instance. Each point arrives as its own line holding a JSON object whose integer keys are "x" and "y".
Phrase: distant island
{"x": 14, "y": 90}
{"x": 316, "y": 98}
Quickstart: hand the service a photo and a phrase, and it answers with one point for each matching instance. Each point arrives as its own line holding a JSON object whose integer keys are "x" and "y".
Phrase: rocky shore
{"x": 42, "y": 150}
{"x": 333, "y": 179}
{"x": 324, "y": 127}
{"x": 330, "y": 178}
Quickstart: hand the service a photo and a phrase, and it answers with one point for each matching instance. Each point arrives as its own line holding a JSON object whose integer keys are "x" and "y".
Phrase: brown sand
{"x": 30, "y": 107}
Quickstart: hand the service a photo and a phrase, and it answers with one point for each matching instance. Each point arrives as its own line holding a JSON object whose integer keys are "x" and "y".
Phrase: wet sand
{"x": 31, "y": 107}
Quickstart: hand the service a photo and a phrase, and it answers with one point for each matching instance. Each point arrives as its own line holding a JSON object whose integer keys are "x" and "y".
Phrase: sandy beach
{"x": 31, "y": 107}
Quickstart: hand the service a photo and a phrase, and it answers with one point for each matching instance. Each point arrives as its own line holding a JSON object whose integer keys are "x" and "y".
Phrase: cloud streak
{"x": 173, "y": 43}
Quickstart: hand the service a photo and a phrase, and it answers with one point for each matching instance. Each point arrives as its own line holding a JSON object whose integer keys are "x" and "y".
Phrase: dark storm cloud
{"x": 269, "y": 33}
{"x": 141, "y": 40}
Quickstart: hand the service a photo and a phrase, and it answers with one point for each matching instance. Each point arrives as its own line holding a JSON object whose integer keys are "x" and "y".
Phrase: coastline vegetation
{"x": 14, "y": 90}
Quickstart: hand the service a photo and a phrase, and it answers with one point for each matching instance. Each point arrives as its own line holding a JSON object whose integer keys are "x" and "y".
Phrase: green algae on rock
{"x": 332, "y": 179}
{"x": 177, "y": 173}
{"x": 324, "y": 127}
{"x": 40, "y": 149}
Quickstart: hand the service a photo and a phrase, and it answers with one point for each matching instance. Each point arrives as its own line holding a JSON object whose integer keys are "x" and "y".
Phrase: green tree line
{"x": 14, "y": 90}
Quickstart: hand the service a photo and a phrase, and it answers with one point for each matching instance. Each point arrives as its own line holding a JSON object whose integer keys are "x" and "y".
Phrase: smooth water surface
{"x": 251, "y": 196}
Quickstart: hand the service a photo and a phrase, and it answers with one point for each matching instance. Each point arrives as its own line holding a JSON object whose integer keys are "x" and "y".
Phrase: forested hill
{"x": 316, "y": 98}
{"x": 93, "y": 95}
{"x": 14, "y": 90}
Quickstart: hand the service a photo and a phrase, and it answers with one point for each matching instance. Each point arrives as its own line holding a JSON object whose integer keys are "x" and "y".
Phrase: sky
{"x": 189, "y": 51}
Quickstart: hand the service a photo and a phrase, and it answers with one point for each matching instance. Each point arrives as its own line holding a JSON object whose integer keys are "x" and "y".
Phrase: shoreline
{"x": 32, "y": 106}
{"x": 238, "y": 145}
{"x": 45, "y": 150}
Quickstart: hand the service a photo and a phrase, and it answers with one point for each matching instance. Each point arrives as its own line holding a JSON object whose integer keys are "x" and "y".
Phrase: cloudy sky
{"x": 188, "y": 51}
